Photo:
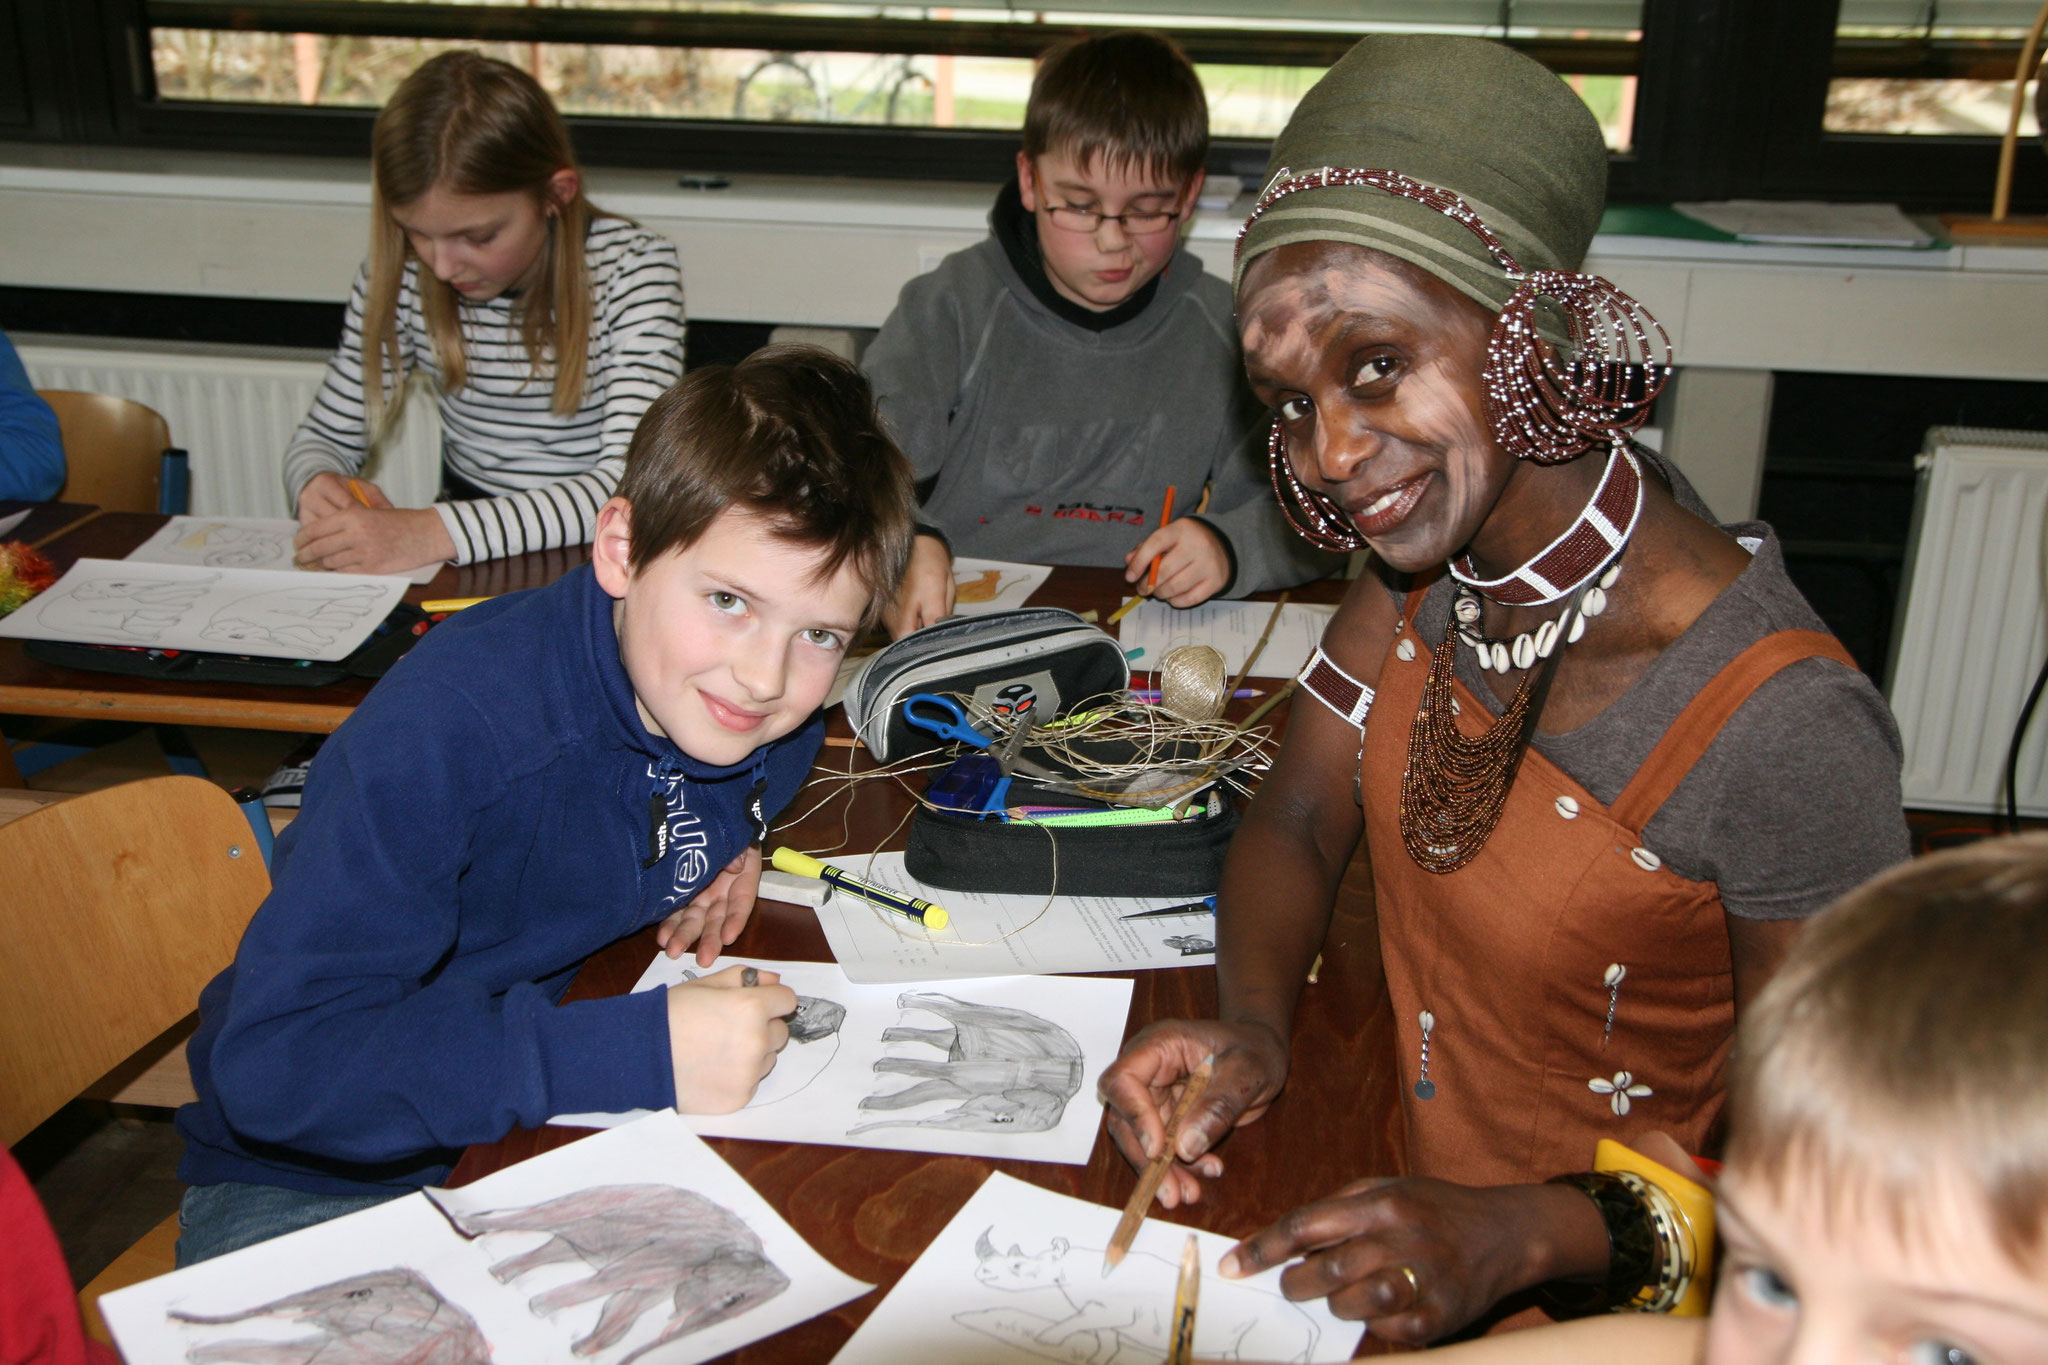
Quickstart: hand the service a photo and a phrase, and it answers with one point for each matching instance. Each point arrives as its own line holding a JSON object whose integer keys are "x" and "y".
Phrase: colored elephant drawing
{"x": 385, "y": 1317}
{"x": 643, "y": 1244}
{"x": 1012, "y": 1071}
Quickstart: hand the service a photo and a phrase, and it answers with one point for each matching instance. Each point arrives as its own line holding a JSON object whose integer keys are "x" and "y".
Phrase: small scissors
{"x": 944, "y": 718}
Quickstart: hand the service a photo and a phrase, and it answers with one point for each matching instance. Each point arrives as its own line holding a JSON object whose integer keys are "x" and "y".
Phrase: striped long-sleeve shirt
{"x": 548, "y": 474}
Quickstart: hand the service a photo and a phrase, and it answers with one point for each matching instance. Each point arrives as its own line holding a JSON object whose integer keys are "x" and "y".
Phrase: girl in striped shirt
{"x": 545, "y": 326}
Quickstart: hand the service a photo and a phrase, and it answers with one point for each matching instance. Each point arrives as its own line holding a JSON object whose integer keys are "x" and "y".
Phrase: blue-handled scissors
{"x": 944, "y": 718}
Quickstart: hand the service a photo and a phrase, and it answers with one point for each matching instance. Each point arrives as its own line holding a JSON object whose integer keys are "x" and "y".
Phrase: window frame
{"x": 85, "y": 76}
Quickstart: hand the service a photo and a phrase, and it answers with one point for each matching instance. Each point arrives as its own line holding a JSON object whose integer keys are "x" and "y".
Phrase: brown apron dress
{"x": 1512, "y": 954}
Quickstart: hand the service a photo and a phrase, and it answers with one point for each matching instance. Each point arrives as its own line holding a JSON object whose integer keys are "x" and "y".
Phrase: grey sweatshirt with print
{"x": 1049, "y": 443}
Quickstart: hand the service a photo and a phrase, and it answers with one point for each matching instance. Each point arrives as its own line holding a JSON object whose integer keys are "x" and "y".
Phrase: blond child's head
{"x": 1886, "y": 1197}
{"x": 1115, "y": 135}
{"x": 472, "y": 177}
{"x": 763, "y": 521}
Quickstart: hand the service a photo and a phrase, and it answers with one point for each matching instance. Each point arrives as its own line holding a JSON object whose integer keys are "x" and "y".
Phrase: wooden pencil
{"x": 1155, "y": 1171}
{"x": 1165, "y": 516}
{"x": 1185, "y": 1296}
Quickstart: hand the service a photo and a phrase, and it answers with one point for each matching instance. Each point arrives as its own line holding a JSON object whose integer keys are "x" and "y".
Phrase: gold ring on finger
{"x": 1414, "y": 1285}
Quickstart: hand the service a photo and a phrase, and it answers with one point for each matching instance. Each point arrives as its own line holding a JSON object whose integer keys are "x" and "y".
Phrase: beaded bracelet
{"x": 1634, "y": 1250}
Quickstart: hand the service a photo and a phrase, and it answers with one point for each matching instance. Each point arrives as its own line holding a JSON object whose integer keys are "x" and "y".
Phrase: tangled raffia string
{"x": 1154, "y": 736}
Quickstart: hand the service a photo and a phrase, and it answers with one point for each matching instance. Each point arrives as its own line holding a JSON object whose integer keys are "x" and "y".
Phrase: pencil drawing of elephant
{"x": 1012, "y": 1071}
{"x": 643, "y": 1244}
{"x": 309, "y": 618}
{"x": 385, "y": 1317}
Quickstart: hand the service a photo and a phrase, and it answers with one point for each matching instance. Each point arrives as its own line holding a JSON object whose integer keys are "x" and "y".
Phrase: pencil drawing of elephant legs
{"x": 1012, "y": 1071}
{"x": 643, "y": 1244}
{"x": 385, "y": 1317}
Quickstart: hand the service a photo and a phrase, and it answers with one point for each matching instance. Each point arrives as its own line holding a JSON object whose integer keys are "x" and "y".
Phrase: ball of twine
{"x": 1191, "y": 682}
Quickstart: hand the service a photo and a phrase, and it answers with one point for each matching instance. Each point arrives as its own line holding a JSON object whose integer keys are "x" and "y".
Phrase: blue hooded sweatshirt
{"x": 492, "y": 814}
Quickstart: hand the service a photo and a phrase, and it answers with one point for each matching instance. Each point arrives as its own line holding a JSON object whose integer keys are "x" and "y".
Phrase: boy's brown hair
{"x": 790, "y": 433}
{"x": 1129, "y": 98}
{"x": 1903, "y": 1047}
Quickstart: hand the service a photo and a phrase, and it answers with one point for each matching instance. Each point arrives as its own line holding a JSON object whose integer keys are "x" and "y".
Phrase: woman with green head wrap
{"x": 1612, "y": 758}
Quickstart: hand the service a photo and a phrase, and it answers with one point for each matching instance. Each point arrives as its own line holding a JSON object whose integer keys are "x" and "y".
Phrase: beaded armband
{"x": 1633, "y": 1262}
{"x": 1335, "y": 688}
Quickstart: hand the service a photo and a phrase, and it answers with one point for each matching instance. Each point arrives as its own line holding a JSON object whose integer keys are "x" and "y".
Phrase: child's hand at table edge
{"x": 327, "y": 493}
{"x": 359, "y": 539}
{"x": 927, "y": 591}
{"x": 715, "y": 915}
{"x": 723, "y": 1036}
{"x": 1141, "y": 1087}
{"x": 1193, "y": 565}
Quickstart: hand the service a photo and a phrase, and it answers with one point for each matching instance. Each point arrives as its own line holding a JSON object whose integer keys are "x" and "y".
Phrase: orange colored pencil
{"x": 355, "y": 487}
{"x": 1165, "y": 515}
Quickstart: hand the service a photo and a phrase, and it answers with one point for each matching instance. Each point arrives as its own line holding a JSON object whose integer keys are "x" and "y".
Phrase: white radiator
{"x": 1974, "y": 628}
{"x": 234, "y": 409}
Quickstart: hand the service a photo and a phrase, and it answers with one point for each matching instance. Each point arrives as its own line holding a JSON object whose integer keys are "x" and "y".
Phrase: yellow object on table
{"x": 1695, "y": 1204}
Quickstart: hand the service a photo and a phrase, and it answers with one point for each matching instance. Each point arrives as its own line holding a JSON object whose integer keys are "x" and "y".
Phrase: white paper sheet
{"x": 653, "y": 1227}
{"x": 230, "y": 611}
{"x": 1017, "y": 1277}
{"x": 1005, "y": 935}
{"x": 870, "y": 1066}
{"x": 234, "y": 543}
{"x": 1231, "y": 628}
{"x": 986, "y": 585}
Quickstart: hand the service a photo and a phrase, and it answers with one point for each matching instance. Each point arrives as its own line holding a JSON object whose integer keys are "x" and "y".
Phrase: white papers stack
{"x": 274, "y": 614}
{"x": 1231, "y": 628}
{"x": 1017, "y": 1276}
{"x": 1801, "y": 223}
{"x": 990, "y": 935}
{"x": 639, "y": 1242}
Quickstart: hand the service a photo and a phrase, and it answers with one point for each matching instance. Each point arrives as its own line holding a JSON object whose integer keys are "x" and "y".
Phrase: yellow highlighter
{"x": 803, "y": 865}
{"x": 450, "y": 603}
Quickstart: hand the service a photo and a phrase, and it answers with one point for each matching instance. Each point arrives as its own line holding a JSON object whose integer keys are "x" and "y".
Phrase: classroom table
{"x": 871, "y": 1212}
{"x": 29, "y": 687}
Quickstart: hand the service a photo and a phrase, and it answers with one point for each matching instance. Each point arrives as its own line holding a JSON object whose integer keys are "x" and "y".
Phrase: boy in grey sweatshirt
{"x": 1053, "y": 382}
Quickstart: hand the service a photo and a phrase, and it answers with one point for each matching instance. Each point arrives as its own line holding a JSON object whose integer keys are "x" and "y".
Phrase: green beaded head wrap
{"x": 1463, "y": 114}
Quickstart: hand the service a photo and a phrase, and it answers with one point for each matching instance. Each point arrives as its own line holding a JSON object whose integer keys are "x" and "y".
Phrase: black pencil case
{"x": 398, "y": 632}
{"x": 1015, "y": 858}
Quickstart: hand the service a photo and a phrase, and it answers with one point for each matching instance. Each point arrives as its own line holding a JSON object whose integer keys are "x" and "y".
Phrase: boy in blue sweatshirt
{"x": 545, "y": 773}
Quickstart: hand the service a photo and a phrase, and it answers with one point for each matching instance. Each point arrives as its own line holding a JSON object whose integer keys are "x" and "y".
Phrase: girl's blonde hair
{"x": 472, "y": 125}
{"x": 1903, "y": 1047}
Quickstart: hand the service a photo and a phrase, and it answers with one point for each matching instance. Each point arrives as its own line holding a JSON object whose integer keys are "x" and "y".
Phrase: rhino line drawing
{"x": 383, "y": 1317}
{"x": 643, "y": 1244}
{"x": 1012, "y": 1071}
{"x": 1127, "y": 1319}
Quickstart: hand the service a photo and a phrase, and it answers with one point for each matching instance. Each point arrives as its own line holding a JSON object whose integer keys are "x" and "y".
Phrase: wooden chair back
{"x": 120, "y": 906}
{"x": 113, "y": 449}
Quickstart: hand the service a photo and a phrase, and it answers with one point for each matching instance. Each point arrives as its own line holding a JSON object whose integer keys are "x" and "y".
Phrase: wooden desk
{"x": 29, "y": 687}
{"x": 872, "y": 1212}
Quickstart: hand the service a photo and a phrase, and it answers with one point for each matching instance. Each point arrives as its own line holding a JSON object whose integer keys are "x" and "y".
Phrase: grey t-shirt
{"x": 1796, "y": 801}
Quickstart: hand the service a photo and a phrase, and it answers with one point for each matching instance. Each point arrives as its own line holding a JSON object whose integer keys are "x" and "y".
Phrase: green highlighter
{"x": 1068, "y": 817}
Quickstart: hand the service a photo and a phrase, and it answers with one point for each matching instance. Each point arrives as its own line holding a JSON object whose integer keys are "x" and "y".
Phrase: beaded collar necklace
{"x": 1587, "y": 546}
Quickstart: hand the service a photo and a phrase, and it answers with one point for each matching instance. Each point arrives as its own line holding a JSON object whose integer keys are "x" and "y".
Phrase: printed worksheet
{"x": 234, "y": 543}
{"x": 1017, "y": 1277}
{"x": 640, "y": 1243}
{"x": 992, "y": 935}
{"x": 986, "y": 585}
{"x": 275, "y": 614}
{"x": 1231, "y": 628}
{"x": 995, "y": 1066}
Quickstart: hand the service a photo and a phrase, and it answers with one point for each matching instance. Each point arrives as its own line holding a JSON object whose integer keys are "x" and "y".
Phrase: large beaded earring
{"x": 1551, "y": 405}
{"x": 1317, "y": 519}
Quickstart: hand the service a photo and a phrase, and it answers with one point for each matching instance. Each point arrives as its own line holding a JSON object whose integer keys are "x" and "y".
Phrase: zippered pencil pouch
{"x": 1046, "y": 658}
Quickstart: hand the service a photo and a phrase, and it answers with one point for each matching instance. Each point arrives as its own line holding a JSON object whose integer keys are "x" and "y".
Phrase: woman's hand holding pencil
{"x": 1144, "y": 1086}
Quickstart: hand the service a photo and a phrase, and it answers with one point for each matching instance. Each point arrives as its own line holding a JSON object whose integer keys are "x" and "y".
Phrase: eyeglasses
{"x": 1136, "y": 222}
